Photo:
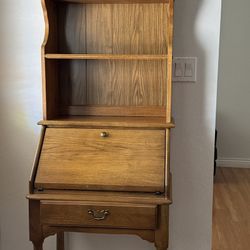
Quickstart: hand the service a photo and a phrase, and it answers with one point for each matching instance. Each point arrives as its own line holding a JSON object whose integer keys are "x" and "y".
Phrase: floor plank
{"x": 231, "y": 212}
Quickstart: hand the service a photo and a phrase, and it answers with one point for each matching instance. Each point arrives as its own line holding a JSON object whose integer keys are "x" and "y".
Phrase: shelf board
{"x": 106, "y": 57}
{"x": 108, "y": 121}
{"x": 114, "y": 1}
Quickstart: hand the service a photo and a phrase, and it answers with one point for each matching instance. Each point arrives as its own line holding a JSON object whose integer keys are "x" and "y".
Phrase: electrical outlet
{"x": 184, "y": 69}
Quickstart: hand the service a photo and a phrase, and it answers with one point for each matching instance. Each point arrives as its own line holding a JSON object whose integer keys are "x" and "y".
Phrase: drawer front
{"x": 99, "y": 215}
{"x": 102, "y": 159}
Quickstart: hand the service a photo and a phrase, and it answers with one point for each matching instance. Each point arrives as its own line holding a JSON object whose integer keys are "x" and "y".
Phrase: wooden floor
{"x": 231, "y": 214}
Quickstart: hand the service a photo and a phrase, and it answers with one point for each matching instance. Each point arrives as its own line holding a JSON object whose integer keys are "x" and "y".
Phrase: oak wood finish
{"x": 170, "y": 28}
{"x": 135, "y": 216}
{"x": 101, "y": 196}
{"x": 83, "y": 159}
{"x": 60, "y": 241}
{"x": 49, "y": 68}
{"x": 105, "y": 57}
{"x": 112, "y": 29}
{"x": 91, "y": 110}
{"x": 113, "y": 83}
{"x": 108, "y": 121}
{"x": 38, "y": 246}
{"x": 128, "y": 29}
{"x": 102, "y": 165}
{"x": 36, "y": 160}
{"x": 144, "y": 234}
{"x": 36, "y": 232}
{"x": 162, "y": 233}
{"x": 134, "y": 32}
{"x": 114, "y": 1}
{"x": 46, "y": 230}
{"x": 167, "y": 175}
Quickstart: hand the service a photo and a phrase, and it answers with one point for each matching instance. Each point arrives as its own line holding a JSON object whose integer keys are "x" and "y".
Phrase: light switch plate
{"x": 184, "y": 69}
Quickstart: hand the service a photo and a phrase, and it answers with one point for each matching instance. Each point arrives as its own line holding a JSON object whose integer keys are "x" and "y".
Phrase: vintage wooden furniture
{"x": 102, "y": 165}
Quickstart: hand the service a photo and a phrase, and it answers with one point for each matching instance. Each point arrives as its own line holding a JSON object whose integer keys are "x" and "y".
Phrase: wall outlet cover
{"x": 184, "y": 69}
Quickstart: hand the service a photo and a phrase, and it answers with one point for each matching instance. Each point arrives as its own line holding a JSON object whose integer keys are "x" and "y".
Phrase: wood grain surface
{"x": 144, "y": 234}
{"x": 120, "y": 215}
{"x": 106, "y": 56}
{"x": 108, "y": 121}
{"x": 120, "y": 30}
{"x": 136, "y": 37}
{"x": 100, "y": 196}
{"x": 50, "y": 68}
{"x": 111, "y": 60}
{"x": 113, "y": 110}
{"x": 126, "y": 160}
{"x": 170, "y": 30}
{"x": 113, "y": 1}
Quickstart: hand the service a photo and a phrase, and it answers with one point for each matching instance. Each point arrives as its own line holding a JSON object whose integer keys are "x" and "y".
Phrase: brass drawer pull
{"x": 99, "y": 214}
{"x": 104, "y": 134}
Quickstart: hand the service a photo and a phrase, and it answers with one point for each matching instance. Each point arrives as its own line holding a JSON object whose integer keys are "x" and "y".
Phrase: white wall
{"x": 21, "y": 33}
{"x": 233, "y": 112}
{"x": 197, "y": 34}
{"x": 197, "y": 27}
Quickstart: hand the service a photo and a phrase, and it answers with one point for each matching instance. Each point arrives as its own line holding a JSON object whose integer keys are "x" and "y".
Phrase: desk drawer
{"x": 131, "y": 216}
{"x": 102, "y": 159}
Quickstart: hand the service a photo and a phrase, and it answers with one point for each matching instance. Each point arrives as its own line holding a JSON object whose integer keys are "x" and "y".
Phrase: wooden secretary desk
{"x": 102, "y": 164}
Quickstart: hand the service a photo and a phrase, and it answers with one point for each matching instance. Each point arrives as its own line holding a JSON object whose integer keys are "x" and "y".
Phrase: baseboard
{"x": 233, "y": 162}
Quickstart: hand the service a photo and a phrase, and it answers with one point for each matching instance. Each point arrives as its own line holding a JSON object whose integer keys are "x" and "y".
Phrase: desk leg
{"x": 161, "y": 235}
{"x": 60, "y": 241}
{"x": 36, "y": 232}
{"x": 38, "y": 245}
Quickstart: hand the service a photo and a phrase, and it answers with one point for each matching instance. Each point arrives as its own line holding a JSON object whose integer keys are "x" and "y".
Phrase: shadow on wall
{"x": 193, "y": 138}
{"x": 20, "y": 109}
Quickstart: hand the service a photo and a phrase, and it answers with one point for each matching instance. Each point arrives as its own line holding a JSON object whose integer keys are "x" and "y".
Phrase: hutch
{"x": 102, "y": 164}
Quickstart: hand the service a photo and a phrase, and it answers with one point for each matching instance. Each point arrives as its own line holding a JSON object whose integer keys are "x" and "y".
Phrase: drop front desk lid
{"x": 87, "y": 159}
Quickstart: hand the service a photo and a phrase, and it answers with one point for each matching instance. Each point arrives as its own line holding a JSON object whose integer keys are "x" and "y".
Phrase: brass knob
{"x": 104, "y": 134}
